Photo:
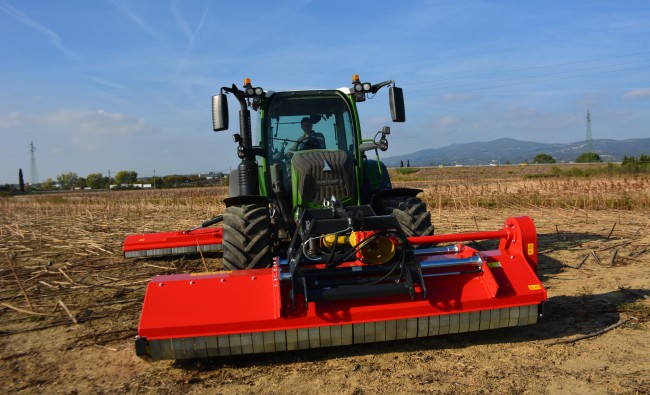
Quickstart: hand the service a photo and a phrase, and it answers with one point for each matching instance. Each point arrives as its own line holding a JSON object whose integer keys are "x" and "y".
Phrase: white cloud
{"x": 517, "y": 113}
{"x": 592, "y": 99}
{"x": 80, "y": 130}
{"x": 10, "y": 120}
{"x": 448, "y": 120}
{"x": 637, "y": 93}
{"x": 96, "y": 123}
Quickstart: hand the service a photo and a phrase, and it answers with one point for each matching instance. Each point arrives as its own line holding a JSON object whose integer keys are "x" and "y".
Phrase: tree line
{"x": 127, "y": 179}
{"x": 586, "y": 157}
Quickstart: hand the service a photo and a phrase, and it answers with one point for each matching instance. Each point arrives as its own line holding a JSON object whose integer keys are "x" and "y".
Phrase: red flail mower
{"x": 322, "y": 251}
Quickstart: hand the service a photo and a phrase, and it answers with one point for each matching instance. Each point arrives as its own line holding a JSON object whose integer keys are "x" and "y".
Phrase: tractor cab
{"x": 309, "y": 137}
{"x": 310, "y": 145}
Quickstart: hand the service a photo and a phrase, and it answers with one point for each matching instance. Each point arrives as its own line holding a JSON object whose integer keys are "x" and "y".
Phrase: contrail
{"x": 51, "y": 36}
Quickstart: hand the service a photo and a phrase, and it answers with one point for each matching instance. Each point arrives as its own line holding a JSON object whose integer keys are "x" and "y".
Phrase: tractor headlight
{"x": 362, "y": 87}
{"x": 254, "y": 92}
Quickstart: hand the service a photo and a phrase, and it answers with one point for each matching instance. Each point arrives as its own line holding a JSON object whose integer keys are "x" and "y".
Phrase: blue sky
{"x": 125, "y": 85}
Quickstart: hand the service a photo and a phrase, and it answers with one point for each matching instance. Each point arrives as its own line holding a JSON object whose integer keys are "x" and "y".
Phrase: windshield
{"x": 293, "y": 116}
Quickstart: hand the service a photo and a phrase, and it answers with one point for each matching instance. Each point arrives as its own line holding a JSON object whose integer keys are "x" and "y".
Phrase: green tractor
{"x": 310, "y": 154}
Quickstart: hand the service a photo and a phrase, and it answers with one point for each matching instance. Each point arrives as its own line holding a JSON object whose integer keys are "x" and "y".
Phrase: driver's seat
{"x": 317, "y": 175}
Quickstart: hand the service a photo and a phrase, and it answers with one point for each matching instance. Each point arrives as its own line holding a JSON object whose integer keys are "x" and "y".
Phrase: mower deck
{"x": 249, "y": 311}
{"x": 172, "y": 243}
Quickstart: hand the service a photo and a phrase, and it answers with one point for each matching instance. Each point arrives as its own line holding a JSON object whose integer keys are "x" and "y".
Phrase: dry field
{"x": 69, "y": 302}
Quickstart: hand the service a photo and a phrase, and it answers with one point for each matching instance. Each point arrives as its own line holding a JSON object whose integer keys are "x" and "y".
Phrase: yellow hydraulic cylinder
{"x": 378, "y": 250}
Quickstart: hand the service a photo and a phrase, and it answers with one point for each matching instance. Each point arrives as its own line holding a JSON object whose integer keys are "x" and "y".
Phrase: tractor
{"x": 321, "y": 250}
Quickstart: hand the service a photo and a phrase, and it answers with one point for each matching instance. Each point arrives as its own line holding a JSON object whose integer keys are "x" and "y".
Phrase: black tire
{"x": 246, "y": 237}
{"x": 411, "y": 213}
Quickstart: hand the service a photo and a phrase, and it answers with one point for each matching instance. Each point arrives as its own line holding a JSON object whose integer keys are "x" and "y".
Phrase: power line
{"x": 532, "y": 81}
{"x": 526, "y": 69}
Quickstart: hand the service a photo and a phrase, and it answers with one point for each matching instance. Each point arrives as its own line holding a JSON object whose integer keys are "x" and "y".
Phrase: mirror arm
{"x": 246, "y": 142}
{"x": 368, "y": 146}
{"x": 376, "y": 87}
{"x": 238, "y": 94}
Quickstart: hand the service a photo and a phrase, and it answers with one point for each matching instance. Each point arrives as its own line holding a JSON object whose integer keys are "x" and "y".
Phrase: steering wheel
{"x": 309, "y": 143}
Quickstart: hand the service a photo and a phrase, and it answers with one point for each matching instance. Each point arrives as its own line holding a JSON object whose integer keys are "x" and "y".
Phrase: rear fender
{"x": 410, "y": 192}
{"x": 375, "y": 179}
{"x": 243, "y": 199}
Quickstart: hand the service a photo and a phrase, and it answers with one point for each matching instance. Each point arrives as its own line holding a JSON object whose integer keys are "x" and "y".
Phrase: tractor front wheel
{"x": 411, "y": 213}
{"x": 246, "y": 237}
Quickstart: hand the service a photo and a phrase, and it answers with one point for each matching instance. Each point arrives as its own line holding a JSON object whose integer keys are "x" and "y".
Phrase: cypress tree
{"x": 21, "y": 182}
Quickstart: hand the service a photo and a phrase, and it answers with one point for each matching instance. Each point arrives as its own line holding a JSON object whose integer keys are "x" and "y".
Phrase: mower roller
{"x": 321, "y": 250}
{"x": 172, "y": 243}
{"x": 190, "y": 241}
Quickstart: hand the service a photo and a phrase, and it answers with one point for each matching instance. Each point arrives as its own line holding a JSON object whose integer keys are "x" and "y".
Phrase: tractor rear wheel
{"x": 246, "y": 237}
{"x": 411, "y": 213}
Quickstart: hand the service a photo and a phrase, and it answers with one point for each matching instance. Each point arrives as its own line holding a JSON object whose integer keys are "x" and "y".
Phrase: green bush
{"x": 588, "y": 157}
{"x": 543, "y": 158}
{"x": 406, "y": 170}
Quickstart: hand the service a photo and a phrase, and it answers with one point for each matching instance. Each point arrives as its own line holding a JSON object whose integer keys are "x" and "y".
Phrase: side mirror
{"x": 219, "y": 112}
{"x": 396, "y": 97}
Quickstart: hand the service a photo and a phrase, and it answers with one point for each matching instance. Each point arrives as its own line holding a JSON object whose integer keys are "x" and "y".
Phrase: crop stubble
{"x": 71, "y": 325}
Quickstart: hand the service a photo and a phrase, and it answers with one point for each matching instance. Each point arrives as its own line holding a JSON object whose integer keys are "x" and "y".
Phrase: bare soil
{"x": 594, "y": 264}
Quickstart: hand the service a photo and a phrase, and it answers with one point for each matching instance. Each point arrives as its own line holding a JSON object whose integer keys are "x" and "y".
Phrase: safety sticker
{"x": 492, "y": 265}
{"x": 534, "y": 287}
{"x": 531, "y": 248}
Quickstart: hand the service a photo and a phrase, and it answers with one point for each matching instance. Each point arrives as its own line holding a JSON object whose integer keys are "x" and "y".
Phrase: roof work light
{"x": 360, "y": 88}
{"x": 251, "y": 91}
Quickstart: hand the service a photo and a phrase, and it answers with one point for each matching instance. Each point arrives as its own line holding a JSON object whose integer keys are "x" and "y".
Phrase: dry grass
{"x": 70, "y": 303}
{"x": 586, "y": 194}
{"x": 467, "y": 188}
{"x": 96, "y": 222}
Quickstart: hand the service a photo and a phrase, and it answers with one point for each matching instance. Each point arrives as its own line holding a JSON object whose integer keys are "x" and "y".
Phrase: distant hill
{"x": 517, "y": 151}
